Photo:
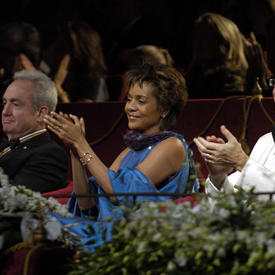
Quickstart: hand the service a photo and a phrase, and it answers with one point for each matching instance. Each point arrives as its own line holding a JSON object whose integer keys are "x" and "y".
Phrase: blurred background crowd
{"x": 222, "y": 47}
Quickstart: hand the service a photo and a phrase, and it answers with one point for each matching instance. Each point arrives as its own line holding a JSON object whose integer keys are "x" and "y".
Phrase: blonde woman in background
{"x": 219, "y": 65}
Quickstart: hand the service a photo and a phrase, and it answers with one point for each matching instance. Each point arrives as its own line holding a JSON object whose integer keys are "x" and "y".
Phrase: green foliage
{"x": 232, "y": 236}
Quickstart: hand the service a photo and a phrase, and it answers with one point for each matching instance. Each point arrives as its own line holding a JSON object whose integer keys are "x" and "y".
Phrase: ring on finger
{"x": 206, "y": 156}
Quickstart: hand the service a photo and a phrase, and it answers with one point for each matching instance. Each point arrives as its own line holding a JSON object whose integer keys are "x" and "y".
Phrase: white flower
{"x": 28, "y": 225}
{"x": 53, "y": 228}
{"x": 31, "y": 206}
{"x": 180, "y": 258}
{"x": 19, "y": 198}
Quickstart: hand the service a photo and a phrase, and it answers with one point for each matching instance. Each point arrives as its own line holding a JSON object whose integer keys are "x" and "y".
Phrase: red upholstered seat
{"x": 192, "y": 199}
{"x": 66, "y": 191}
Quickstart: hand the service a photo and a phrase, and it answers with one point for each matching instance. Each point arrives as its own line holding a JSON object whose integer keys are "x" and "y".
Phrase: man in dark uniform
{"x": 27, "y": 153}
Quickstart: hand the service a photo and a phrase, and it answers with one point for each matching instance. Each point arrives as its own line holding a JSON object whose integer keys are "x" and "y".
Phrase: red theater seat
{"x": 61, "y": 192}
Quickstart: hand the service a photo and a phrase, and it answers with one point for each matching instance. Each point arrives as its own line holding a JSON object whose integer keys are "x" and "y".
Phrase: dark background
{"x": 129, "y": 23}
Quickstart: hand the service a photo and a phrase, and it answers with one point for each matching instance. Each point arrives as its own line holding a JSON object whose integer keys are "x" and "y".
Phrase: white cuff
{"x": 211, "y": 188}
{"x": 227, "y": 187}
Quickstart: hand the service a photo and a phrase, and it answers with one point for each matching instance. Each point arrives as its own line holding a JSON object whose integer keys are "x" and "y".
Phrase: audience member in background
{"x": 218, "y": 67}
{"x": 270, "y": 53}
{"x": 24, "y": 39}
{"x": 258, "y": 16}
{"x": 258, "y": 71}
{"x": 7, "y": 64}
{"x": 155, "y": 160}
{"x": 77, "y": 64}
{"x": 27, "y": 154}
{"x": 228, "y": 63}
{"x": 254, "y": 16}
{"x": 222, "y": 157}
{"x": 19, "y": 49}
{"x": 130, "y": 58}
{"x": 270, "y": 45}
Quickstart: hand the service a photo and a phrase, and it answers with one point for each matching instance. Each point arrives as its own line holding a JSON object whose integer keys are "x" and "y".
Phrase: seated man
{"x": 256, "y": 171}
{"x": 27, "y": 154}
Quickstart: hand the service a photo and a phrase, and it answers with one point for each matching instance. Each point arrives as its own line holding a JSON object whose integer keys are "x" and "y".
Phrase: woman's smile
{"x": 132, "y": 117}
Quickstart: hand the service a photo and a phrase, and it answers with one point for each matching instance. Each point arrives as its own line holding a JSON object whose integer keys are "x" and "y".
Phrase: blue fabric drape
{"x": 128, "y": 179}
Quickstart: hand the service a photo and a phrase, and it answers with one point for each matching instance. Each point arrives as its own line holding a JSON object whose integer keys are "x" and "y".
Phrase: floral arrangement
{"x": 234, "y": 235}
{"x": 28, "y": 208}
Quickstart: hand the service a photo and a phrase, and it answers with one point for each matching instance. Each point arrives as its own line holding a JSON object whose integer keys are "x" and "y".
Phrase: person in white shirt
{"x": 256, "y": 171}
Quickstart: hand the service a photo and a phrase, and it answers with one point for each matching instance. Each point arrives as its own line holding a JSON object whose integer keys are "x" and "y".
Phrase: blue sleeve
{"x": 126, "y": 180}
{"x": 131, "y": 180}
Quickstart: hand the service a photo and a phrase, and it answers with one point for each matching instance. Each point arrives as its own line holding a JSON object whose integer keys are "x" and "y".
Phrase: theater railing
{"x": 151, "y": 194}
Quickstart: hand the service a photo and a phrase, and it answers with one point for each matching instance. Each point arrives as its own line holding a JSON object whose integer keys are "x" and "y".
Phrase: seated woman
{"x": 219, "y": 65}
{"x": 77, "y": 63}
{"x": 156, "y": 160}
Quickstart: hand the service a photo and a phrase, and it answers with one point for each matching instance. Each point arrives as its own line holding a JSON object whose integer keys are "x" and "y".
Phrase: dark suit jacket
{"x": 39, "y": 164}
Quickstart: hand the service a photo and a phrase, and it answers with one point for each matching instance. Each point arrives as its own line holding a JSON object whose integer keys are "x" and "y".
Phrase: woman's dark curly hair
{"x": 170, "y": 88}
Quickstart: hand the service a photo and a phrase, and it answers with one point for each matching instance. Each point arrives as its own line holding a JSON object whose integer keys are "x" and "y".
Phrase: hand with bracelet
{"x": 71, "y": 130}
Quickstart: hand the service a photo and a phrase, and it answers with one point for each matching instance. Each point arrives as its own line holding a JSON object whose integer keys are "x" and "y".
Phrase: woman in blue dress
{"x": 156, "y": 160}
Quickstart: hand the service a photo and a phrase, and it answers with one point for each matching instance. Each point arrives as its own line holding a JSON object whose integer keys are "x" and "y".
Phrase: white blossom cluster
{"x": 20, "y": 199}
{"x": 214, "y": 228}
{"x": 32, "y": 208}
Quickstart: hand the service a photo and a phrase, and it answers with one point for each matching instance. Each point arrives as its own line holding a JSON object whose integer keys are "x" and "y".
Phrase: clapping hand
{"x": 217, "y": 151}
{"x": 221, "y": 156}
{"x": 255, "y": 56}
{"x": 69, "y": 128}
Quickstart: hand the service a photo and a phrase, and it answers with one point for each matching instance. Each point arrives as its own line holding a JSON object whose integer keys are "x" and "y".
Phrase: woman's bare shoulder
{"x": 115, "y": 165}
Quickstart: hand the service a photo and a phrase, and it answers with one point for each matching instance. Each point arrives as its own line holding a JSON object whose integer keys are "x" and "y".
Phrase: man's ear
{"x": 44, "y": 110}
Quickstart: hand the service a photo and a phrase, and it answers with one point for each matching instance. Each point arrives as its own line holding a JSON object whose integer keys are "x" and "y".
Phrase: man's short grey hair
{"x": 44, "y": 92}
